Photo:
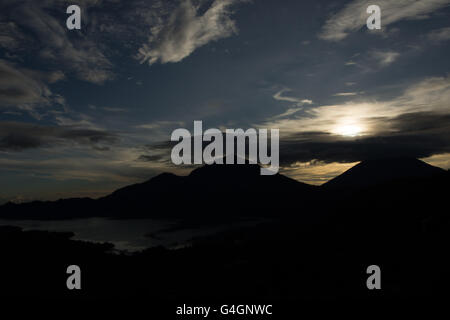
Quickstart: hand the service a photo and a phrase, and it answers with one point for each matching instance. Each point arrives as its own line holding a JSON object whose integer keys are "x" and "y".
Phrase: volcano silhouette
{"x": 208, "y": 191}
{"x": 225, "y": 191}
{"x": 380, "y": 171}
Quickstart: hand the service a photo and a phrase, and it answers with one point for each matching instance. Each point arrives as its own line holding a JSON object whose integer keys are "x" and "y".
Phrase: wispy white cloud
{"x": 346, "y": 94}
{"x": 353, "y": 16}
{"x": 187, "y": 28}
{"x": 297, "y": 101}
{"x": 385, "y": 58}
{"x": 439, "y": 35}
{"x": 76, "y": 120}
{"x": 26, "y": 89}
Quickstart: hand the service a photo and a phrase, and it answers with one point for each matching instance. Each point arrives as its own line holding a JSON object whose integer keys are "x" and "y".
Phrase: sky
{"x": 84, "y": 112}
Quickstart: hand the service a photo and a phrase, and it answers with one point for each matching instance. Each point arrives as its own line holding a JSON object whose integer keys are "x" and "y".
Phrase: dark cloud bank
{"x": 417, "y": 135}
{"x": 18, "y": 136}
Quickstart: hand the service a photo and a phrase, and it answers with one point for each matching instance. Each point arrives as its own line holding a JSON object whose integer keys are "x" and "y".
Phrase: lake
{"x": 126, "y": 235}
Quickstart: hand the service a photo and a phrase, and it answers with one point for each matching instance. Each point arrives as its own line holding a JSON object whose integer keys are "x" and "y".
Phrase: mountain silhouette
{"x": 381, "y": 171}
{"x": 209, "y": 180}
{"x": 208, "y": 191}
{"x": 214, "y": 191}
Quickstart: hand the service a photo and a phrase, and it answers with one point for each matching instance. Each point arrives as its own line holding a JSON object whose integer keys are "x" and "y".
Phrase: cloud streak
{"x": 385, "y": 58}
{"x": 19, "y": 136}
{"x": 297, "y": 101}
{"x": 26, "y": 89}
{"x": 176, "y": 37}
{"x": 353, "y": 16}
{"x": 439, "y": 35}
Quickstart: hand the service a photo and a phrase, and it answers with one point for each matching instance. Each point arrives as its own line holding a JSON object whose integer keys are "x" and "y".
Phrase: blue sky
{"x": 83, "y": 112}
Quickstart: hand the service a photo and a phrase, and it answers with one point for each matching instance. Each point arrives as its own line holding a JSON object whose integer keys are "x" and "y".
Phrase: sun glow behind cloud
{"x": 371, "y": 117}
{"x": 349, "y": 130}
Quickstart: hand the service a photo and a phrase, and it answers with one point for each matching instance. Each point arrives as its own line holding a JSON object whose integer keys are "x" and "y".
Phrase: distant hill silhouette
{"x": 210, "y": 181}
{"x": 209, "y": 191}
{"x": 376, "y": 172}
{"x": 231, "y": 191}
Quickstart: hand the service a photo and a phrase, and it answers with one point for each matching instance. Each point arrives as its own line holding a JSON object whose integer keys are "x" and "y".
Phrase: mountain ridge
{"x": 222, "y": 190}
{"x": 379, "y": 171}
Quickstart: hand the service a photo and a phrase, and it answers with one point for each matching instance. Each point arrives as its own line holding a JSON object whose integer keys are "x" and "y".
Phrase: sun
{"x": 350, "y": 130}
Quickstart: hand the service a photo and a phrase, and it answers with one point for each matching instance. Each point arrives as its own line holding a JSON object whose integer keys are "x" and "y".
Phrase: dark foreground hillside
{"x": 401, "y": 225}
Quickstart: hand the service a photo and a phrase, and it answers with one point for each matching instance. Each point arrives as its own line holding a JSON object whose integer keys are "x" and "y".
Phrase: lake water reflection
{"x": 129, "y": 235}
